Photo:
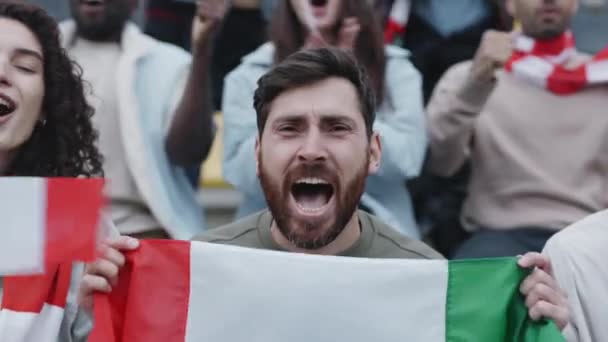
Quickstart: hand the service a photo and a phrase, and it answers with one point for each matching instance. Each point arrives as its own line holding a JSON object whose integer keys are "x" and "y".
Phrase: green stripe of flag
{"x": 488, "y": 290}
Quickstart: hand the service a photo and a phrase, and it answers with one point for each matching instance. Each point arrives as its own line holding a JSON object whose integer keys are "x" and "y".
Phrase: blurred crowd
{"x": 439, "y": 34}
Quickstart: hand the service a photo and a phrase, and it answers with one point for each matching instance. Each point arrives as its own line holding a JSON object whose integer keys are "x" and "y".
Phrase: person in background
{"x": 243, "y": 30}
{"x": 45, "y": 120}
{"x": 315, "y": 149}
{"x": 349, "y": 24}
{"x": 439, "y": 34}
{"x": 153, "y": 113}
{"x": 538, "y": 157}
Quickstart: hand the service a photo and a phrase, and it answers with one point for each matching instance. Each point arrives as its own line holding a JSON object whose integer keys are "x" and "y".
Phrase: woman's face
{"x": 324, "y": 13}
{"x": 21, "y": 84}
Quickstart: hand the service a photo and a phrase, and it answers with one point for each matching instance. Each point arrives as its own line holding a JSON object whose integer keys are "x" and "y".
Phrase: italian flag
{"x": 46, "y": 225}
{"x": 47, "y": 221}
{"x": 174, "y": 291}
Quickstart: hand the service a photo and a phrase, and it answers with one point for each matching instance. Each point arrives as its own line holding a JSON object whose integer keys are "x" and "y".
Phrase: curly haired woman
{"x": 45, "y": 127}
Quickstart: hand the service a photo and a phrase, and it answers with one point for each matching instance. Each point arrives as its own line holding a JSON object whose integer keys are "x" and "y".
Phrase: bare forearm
{"x": 191, "y": 132}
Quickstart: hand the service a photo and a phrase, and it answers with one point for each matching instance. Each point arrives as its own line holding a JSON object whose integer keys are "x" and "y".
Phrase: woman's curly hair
{"x": 63, "y": 145}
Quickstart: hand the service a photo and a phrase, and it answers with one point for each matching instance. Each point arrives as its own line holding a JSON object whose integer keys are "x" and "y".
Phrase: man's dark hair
{"x": 310, "y": 66}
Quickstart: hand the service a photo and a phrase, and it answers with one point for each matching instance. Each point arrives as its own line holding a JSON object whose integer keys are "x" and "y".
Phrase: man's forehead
{"x": 333, "y": 97}
{"x": 315, "y": 115}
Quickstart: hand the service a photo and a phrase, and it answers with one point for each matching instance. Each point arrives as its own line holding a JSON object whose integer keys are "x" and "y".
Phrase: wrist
{"x": 202, "y": 47}
{"x": 475, "y": 92}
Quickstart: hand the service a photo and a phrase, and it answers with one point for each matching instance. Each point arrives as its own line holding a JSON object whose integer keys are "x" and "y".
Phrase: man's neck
{"x": 95, "y": 45}
{"x": 347, "y": 238}
{"x": 113, "y": 40}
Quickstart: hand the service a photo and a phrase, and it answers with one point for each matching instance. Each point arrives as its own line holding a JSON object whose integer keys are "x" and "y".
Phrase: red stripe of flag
{"x": 72, "y": 219}
{"x": 30, "y": 293}
{"x": 161, "y": 268}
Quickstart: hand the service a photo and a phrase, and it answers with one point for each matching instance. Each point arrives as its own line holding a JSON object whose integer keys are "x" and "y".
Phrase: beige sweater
{"x": 578, "y": 255}
{"x": 537, "y": 159}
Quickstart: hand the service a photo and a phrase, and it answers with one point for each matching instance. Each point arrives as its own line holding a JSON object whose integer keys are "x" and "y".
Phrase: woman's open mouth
{"x": 318, "y": 3}
{"x": 7, "y": 107}
{"x": 318, "y": 7}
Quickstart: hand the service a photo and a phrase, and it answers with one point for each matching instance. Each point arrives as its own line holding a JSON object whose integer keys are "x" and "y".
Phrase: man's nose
{"x": 313, "y": 147}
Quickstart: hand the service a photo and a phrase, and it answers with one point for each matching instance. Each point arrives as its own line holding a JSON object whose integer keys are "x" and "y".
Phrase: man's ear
{"x": 375, "y": 153}
{"x": 257, "y": 155}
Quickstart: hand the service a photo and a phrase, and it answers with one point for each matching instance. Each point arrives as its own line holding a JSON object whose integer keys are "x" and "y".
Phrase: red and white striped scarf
{"x": 397, "y": 20}
{"x": 543, "y": 63}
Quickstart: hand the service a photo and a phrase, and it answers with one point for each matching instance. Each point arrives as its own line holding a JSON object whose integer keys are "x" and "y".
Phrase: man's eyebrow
{"x": 290, "y": 118}
{"x": 332, "y": 118}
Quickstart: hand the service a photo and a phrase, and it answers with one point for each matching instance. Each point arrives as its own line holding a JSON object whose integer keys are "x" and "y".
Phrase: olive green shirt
{"x": 377, "y": 240}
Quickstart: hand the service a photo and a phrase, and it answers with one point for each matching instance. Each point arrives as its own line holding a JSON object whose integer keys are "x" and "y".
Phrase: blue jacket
{"x": 400, "y": 121}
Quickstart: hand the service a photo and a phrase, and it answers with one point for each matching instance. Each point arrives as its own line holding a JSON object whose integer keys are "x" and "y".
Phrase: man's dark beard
{"x": 278, "y": 202}
{"x": 106, "y": 28}
{"x": 548, "y": 31}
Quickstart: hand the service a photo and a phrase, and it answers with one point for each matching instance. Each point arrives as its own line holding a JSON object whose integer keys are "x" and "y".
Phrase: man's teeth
{"x": 309, "y": 210}
{"x": 312, "y": 181}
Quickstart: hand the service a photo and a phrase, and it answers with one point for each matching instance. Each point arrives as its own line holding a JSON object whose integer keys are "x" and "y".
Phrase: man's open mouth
{"x": 7, "y": 106}
{"x": 312, "y": 195}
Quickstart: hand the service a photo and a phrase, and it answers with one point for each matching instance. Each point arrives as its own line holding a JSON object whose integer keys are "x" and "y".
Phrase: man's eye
{"x": 339, "y": 128}
{"x": 287, "y": 128}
